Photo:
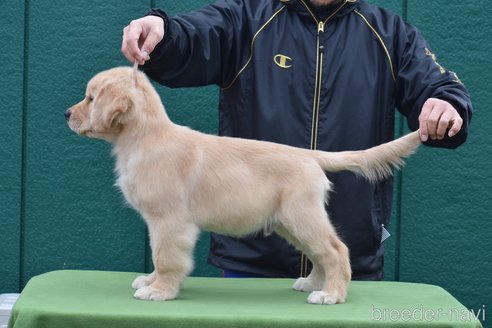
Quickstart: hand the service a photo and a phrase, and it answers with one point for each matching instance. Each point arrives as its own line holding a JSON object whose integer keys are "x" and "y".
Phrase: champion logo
{"x": 283, "y": 61}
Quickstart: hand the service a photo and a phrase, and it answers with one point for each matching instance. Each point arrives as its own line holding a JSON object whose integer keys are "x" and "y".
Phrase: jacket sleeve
{"x": 199, "y": 48}
{"x": 420, "y": 77}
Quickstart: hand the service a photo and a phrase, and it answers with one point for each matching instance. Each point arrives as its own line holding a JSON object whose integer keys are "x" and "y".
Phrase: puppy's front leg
{"x": 172, "y": 242}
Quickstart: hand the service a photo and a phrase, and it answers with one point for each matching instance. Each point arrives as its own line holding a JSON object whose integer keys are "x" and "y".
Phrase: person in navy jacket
{"x": 319, "y": 74}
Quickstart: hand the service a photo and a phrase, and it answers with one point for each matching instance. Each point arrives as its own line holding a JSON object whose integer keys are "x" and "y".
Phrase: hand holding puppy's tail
{"x": 374, "y": 163}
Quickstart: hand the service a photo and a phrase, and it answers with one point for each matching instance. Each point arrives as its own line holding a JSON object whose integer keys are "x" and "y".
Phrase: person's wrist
{"x": 165, "y": 20}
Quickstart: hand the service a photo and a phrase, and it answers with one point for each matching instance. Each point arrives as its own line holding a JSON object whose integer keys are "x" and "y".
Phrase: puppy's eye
{"x": 89, "y": 98}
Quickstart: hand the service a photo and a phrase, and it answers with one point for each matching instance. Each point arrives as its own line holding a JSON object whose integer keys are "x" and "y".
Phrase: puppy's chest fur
{"x": 145, "y": 178}
{"x": 125, "y": 181}
{"x": 130, "y": 169}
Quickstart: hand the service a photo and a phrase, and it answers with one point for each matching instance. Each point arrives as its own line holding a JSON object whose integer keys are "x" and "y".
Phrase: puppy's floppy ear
{"x": 115, "y": 111}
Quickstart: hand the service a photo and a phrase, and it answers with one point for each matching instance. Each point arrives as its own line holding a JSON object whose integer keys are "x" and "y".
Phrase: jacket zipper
{"x": 317, "y": 95}
{"x": 317, "y": 85}
{"x": 319, "y": 70}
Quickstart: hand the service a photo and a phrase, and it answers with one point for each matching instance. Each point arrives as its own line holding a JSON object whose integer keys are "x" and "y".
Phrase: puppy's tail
{"x": 374, "y": 163}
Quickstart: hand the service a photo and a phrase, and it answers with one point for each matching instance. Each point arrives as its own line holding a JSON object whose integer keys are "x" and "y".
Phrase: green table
{"x": 105, "y": 299}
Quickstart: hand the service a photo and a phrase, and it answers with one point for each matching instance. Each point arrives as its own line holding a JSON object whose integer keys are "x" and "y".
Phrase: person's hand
{"x": 140, "y": 38}
{"x": 436, "y": 118}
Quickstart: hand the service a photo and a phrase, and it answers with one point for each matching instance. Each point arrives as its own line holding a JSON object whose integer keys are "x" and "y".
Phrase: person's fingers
{"x": 131, "y": 38}
{"x": 437, "y": 117}
{"x": 140, "y": 38}
{"x": 424, "y": 116}
{"x": 433, "y": 121}
{"x": 444, "y": 122}
{"x": 154, "y": 36}
{"x": 457, "y": 124}
{"x": 124, "y": 46}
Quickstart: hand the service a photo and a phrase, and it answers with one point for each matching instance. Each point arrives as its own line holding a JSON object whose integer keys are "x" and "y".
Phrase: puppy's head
{"x": 109, "y": 99}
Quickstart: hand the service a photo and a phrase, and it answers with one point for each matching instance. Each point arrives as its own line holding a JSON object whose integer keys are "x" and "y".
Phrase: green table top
{"x": 105, "y": 299}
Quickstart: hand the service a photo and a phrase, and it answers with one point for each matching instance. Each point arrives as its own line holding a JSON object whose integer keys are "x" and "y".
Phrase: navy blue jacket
{"x": 324, "y": 78}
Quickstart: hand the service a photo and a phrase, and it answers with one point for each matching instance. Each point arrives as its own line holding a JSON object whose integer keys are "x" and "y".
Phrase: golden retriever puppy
{"x": 182, "y": 181}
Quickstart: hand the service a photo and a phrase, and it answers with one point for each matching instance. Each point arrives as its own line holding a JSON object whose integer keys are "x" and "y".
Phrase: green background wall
{"x": 58, "y": 206}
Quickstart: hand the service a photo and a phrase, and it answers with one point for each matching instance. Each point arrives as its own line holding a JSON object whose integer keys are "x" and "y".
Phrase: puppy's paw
{"x": 153, "y": 294}
{"x": 306, "y": 285}
{"x": 320, "y": 297}
{"x": 141, "y": 281}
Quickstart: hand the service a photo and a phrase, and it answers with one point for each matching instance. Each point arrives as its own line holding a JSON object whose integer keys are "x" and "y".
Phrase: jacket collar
{"x": 304, "y": 8}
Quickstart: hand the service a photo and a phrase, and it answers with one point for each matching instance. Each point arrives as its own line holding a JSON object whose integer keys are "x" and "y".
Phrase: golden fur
{"x": 182, "y": 181}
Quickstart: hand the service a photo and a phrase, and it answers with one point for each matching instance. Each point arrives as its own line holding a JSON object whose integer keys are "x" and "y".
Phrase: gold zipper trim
{"x": 304, "y": 265}
{"x": 317, "y": 95}
{"x": 252, "y": 46}
{"x": 319, "y": 70}
{"x": 330, "y": 17}
{"x": 380, "y": 41}
{"x": 310, "y": 11}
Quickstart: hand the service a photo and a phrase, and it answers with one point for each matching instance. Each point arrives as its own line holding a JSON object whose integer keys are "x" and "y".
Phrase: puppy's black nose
{"x": 67, "y": 114}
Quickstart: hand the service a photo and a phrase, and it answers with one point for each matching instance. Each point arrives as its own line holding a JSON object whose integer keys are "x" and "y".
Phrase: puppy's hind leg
{"x": 315, "y": 279}
{"x": 305, "y": 219}
{"x": 172, "y": 243}
{"x": 336, "y": 264}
